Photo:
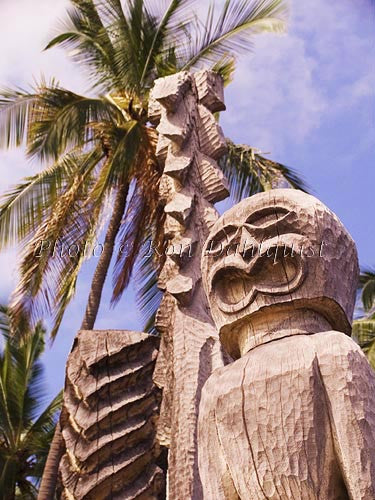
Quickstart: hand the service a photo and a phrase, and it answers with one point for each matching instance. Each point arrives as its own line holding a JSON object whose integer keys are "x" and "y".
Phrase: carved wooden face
{"x": 279, "y": 247}
{"x": 256, "y": 256}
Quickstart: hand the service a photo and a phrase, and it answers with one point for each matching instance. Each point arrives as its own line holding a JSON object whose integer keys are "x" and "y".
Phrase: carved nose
{"x": 248, "y": 246}
{"x": 236, "y": 285}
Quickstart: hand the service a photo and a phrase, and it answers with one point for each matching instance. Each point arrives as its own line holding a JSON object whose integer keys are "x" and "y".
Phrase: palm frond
{"x": 25, "y": 432}
{"x": 15, "y": 107}
{"x": 364, "y": 327}
{"x": 49, "y": 119}
{"x": 60, "y": 119}
{"x": 163, "y": 30}
{"x": 54, "y": 252}
{"x": 120, "y": 161}
{"x": 232, "y": 31}
{"x": 28, "y": 371}
{"x": 131, "y": 238}
{"x": 44, "y": 423}
{"x": 367, "y": 284}
{"x": 4, "y": 321}
{"x": 136, "y": 38}
{"x": 148, "y": 293}
{"x": 363, "y": 332}
{"x": 134, "y": 45}
{"x": 6, "y": 404}
{"x": 248, "y": 172}
{"x": 158, "y": 9}
{"x": 148, "y": 266}
{"x": 141, "y": 214}
{"x": 20, "y": 371}
{"x": 26, "y": 205}
{"x": 124, "y": 25}
{"x": 85, "y": 33}
{"x": 66, "y": 288}
{"x": 111, "y": 11}
{"x": 225, "y": 68}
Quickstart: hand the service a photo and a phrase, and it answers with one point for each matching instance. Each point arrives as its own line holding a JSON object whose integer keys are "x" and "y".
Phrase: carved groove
{"x": 190, "y": 142}
{"x": 110, "y": 410}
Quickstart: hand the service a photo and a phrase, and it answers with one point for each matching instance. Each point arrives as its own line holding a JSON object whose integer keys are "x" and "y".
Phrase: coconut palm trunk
{"x": 49, "y": 479}
{"x": 105, "y": 258}
{"x": 50, "y": 473}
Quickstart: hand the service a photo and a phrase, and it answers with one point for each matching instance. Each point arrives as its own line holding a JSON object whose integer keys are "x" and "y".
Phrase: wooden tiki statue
{"x": 190, "y": 143}
{"x": 108, "y": 418}
{"x": 293, "y": 416}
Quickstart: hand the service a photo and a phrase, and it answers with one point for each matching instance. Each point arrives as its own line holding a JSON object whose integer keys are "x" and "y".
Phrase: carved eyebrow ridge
{"x": 267, "y": 216}
{"x": 223, "y": 234}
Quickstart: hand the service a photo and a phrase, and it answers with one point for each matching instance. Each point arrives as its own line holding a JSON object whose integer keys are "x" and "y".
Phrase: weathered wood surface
{"x": 108, "y": 420}
{"x": 294, "y": 416}
{"x": 190, "y": 143}
{"x": 242, "y": 275}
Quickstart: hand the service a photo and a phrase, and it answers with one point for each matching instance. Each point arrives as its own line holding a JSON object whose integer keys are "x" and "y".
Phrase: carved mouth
{"x": 237, "y": 288}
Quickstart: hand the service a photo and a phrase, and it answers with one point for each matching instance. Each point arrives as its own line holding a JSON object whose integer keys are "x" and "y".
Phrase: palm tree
{"x": 26, "y": 429}
{"x": 102, "y": 147}
{"x": 364, "y": 327}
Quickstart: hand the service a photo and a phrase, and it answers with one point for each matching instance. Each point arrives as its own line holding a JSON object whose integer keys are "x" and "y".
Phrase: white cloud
{"x": 13, "y": 166}
{"x": 8, "y": 261}
{"x": 275, "y": 94}
{"x": 292, "y": 82}
{"x": 25, "y": 29}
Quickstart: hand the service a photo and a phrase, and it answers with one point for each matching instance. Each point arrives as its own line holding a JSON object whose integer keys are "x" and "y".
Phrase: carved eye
{"x": 237, "y": 288}
{"x": 274, "y": 275}
{"x": 232, "y": 285}
{"x": 267, "y": 216}
{"x": 217, "y": 244}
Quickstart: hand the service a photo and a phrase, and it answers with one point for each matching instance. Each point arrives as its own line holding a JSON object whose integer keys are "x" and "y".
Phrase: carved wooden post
{"x": 190, "y": 142}
{"x": 108, "y": 418}
{"x": 294, "y": 415}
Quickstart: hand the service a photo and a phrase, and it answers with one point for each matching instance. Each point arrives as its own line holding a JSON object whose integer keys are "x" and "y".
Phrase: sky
{"x": 306, "y": 97}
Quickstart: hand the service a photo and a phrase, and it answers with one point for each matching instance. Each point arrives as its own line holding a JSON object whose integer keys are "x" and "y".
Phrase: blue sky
{"x": 306, "y": 97}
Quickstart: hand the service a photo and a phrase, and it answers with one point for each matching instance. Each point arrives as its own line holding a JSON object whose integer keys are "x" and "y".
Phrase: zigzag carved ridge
{"x": 190, "y": 143}
{"x": 110, "y": 409}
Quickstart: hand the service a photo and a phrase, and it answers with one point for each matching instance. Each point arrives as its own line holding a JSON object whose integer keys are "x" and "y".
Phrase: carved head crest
{"x": 279, "y": 248}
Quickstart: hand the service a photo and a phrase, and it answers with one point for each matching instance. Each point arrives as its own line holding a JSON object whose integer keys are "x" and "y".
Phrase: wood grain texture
{"x": 293, "y": 417}
{"x": 190, "y": 142}
{"x": 278, "y": 248}
{"x": 108, "y": 420}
